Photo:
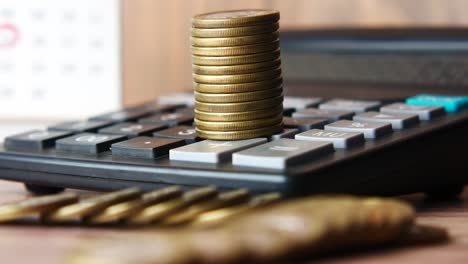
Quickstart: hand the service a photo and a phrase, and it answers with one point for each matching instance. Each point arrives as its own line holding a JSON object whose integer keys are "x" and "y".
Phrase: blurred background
{"x": 68, "y": 59}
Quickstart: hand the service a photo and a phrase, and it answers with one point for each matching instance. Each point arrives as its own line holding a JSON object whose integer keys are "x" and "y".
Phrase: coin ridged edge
{"x": 238, "y": 97}
{"x": 238, "y": 125}
{"x": 204, "y": 21}
{"x": 239, "y": 107}
{"x": 238, "y": 116}
{"x": 234, "y": 31}
{"x": 238, "y": 135}
{"x": 234, "y": 41}
{"x": 236, "y": 50}
{"x": 238, "y": 87}
{"x": 238, "y": 78}
{"x": 236, "y": 60}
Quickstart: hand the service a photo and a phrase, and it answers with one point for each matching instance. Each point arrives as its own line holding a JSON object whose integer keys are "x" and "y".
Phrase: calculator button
{"x": 286, "y": 133}
{"x": 357, "y": 106}
{"x": 131, "y": 129}
{"x": 212, "y": 151}
{"x": 89, "y": 143}
{"x": 35, "y": 140}
{"x": 314, "y": 113}
{"x": 369, "y": 129}
{"x": 452, "y": 104}
{"x": 79, "y": 126}
{"x": 180, "y": 98}
{"x": 186, "y": 110}
{"x": 281, "y": 153}
{"x": 398, "y": 121}
{"x": 169, "y": 119}
{"x": 300, "y": 103}
{"x": 303, "y": 124}
{"x": 155, "y": 108}
{"x": 339, "y": 139}
{"x": 121, "y": 116}
{"x": 187, "y": 133}
{"x": 145, "y": 147}
{"x": 424, "y": 112}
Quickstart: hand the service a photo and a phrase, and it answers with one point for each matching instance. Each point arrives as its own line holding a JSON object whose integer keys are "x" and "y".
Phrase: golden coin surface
{"x": 234, "y": 31}
{"x": 235, "y": 60}
{"x": 238, "y": 87}
{"x": 239, "y": 125}
{"x": 237, "y": 97}
{"x": 237, "y": 135}
{"x": 235, "y": 18}
{"x": 91, "y": 205}
{"x": 239, "y": 116}
{"x": 234, "y": 41}
{"x": 16, "y": 210}
{"x": 237, "y": 50}
{"x": 239, "y": 107}
{"x": 237, "y": 69}
{"x": 238, "y": 78}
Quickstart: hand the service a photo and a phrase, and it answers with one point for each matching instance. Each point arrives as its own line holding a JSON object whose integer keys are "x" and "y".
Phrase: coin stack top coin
{"x": 237, "y": 74}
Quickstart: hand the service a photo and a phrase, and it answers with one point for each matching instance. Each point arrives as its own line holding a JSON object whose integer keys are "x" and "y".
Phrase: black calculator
{"x": 332, "y": 145}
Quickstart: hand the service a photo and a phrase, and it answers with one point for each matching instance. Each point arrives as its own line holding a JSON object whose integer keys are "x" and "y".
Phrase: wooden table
{"x": 50, "y": 245}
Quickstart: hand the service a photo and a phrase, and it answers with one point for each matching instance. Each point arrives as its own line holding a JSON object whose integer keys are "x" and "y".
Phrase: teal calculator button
{"x": 452, "y": 104}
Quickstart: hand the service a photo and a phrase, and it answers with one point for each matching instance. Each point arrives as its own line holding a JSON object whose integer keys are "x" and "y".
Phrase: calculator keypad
{"x": 158, "y": 130}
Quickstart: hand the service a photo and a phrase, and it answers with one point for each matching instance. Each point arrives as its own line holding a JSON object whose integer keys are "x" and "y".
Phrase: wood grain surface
{"x": 21, "y": 243}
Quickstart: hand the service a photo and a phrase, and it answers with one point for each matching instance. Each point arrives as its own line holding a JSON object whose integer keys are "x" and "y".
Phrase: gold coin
{"x": 237, "y": 135}
{"x": 238, "y": 78}
{"x": 234, "y": 31}
{"x": 90, "y": 206}
{"x": 236, "y": 60}
{"x": 237, "y": 69}
{"x": 237, "y": 50}
{"x": 240, "y": 125}
{"x": 235, "y": 18}
{"x": 238, "y": 87}
{"x": 234, "y": 41}
{"x": 16, "y": 210}
{"x": 238, "y": 97}
{"x": 239, "y": 116}
{"x": 239, "y": 107}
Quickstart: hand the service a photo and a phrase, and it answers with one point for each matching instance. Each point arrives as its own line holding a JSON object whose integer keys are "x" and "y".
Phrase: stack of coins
{"x": 237, "y": 74}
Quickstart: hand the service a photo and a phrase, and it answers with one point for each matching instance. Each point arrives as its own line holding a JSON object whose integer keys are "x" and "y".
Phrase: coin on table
{"x": 238, "y": 87}
{"x": 239, "y": 116}
{"x": 239, "y": 125}
{"x": 17, "y": 210}
{"x": 237, "y": 50}
{"x": 237, "y": 135}
{"x": 235, "y": 18}
{"x": 239, "y": 107}
{"x": 238, "y": 97}
{"x": 236, "y": 60}
{"x": 234, "y": 31}
{"x": 234, "y": 41}
{"x": 238, "y": 78}
{"x": 90, "y": 206}
{"x": 236, "y": 69}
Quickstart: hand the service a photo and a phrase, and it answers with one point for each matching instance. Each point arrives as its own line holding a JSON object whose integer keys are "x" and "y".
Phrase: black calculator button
{"x": 369, "y": 129}
{"x": 286, "y": 133}
{"x": 169, "y": 119}
{"x": 88, "y": 143}
{"x": 303, "y": 124}
{"x": 35, "y": 140}
{"x": 79, "y": 126}
{"x": 314, "y": 113}
{"x": 187, "y": 133}
{"x": 145, "y": 147}
{"x": 186, "y": 110}
{"x": 156, "y": 108}
{"x": 122, "y": 116}
{"x": 357, "y": 106}
{"x": 131, "y": 130}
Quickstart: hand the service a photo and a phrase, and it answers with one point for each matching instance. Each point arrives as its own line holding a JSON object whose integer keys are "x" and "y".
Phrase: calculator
{"x": 328, "y": 145}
